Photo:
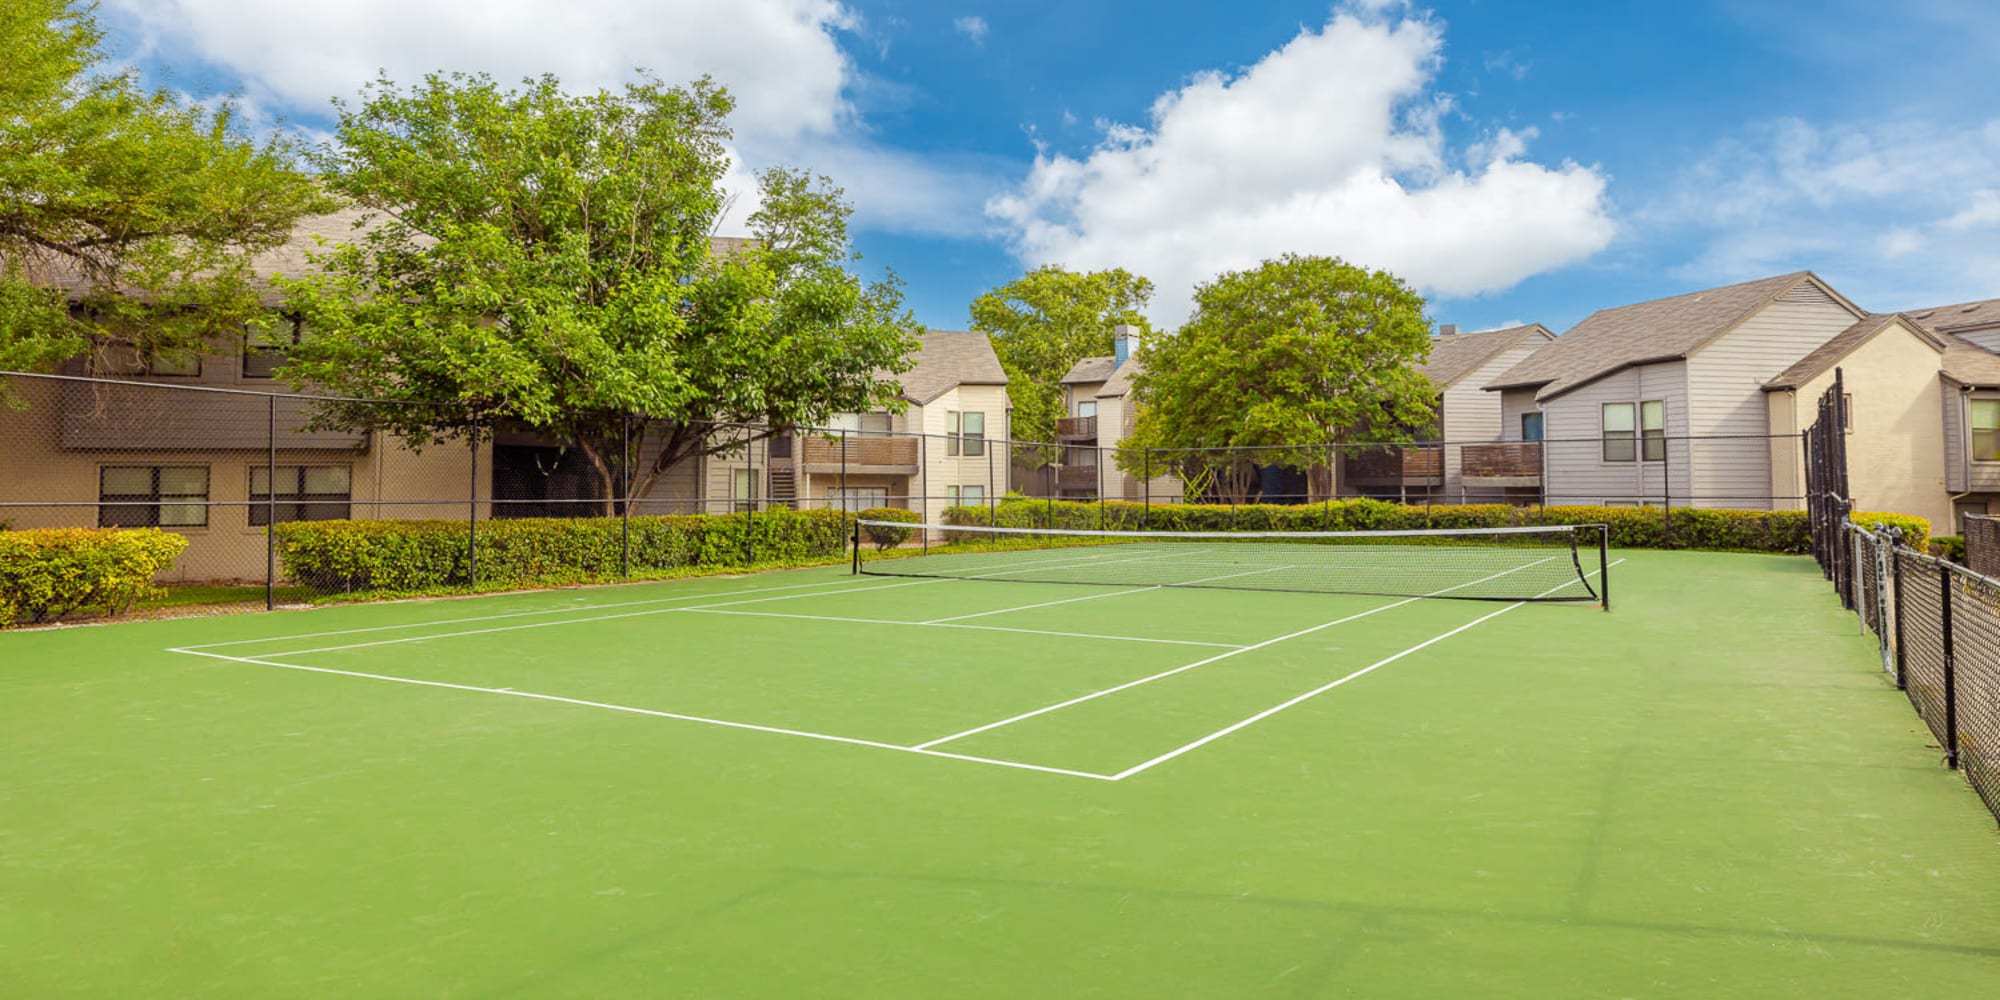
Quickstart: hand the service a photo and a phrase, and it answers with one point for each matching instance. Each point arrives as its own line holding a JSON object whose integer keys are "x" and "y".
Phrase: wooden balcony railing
{"x": 1504, "y": 460}
{"x": 1396, "y": 464}
{"x": 1077, "y": 477}
{"x": 819, "y": 454}
{"x": 1074, "y": 428}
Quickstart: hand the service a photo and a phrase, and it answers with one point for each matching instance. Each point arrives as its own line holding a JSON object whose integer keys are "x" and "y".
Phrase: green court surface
{"x": 814, "y": 784}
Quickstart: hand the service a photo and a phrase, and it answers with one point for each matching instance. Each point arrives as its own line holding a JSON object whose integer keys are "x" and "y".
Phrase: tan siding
{"x": 1724, "y": 395}
{"x": 1896, "y": 451}
{"x": 1472, "y": 414}
{"x": 1572, "y": 423}
{"x": 1513, "y": 403}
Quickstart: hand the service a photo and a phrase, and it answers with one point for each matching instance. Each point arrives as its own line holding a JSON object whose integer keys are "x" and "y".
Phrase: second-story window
{"x": 1531, "y": 427}
{"x": 967, "y": 433}
{"x": 1086, "y": 407}
{"x": 1986, "y": 430}
{"x": 265, "y": 350}
{"x": 131, "y": 359}
{"x": 1653, "y": 430}
{"x": 1634, "y": 431}
{"x": 1619, "y": 445}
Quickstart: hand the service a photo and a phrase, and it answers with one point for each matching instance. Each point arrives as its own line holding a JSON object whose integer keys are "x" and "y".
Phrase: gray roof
{"x": 1970, "y": 365}
{"x": 947, "y": 359}
{"x": 1456, "y": 355}
{"x": 1957, "y": 317}
{"x": 1090, "y": 370}
{"x": 1611, "y": 340}
{"x": 1120, "y": 382}
{"x": 1827, "y": 355}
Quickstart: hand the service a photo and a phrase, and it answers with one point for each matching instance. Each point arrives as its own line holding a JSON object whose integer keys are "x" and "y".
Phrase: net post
{"x": 1604, "y": 566}
{"x": 271, "y": 510}
{"x": 1950, "y": 669}
{"x": 855, "y": 544}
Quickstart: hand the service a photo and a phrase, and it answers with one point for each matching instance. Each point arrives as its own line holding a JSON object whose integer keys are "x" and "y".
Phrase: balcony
{"x": 1077, "y": 477}
{"x": 1396, "y": 465}
{"x": 1076, "y": 428}
{"x": 862, "y": 454}
{"x": 1510, "y": 463}
{"x": 143, "y": 417}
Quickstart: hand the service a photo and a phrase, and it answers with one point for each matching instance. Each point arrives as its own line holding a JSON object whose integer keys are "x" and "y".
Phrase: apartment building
{"x": 1097, "y": 401}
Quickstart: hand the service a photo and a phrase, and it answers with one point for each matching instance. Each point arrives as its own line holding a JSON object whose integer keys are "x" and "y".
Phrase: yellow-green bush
{"x": 423, "y": 556}
{"x": 51, "y": 572}
{"x": 1916, "y": 530}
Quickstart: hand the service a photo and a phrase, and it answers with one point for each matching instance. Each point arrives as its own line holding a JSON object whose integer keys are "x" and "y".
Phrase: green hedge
{"x": 48, "y": 573}
{"x": 427, "y": 556}
{"x": 884, "y": 536}
{"x": 1631, "y": 527}
{"x": 1916, "y": 530}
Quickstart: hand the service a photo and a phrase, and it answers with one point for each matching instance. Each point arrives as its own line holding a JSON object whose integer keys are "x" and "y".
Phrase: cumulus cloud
{"x": 973, "y": 27}
{"x": 1328, "y": 145}
{"x": 1895, "y": 213}
{"x": 779, "y": 57}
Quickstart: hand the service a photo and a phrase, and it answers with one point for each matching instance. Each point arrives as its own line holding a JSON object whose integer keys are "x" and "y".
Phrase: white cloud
{"x": 973, "y": 27}
{"x": 779, "y": 57}
{"x": 1329, "y": 145}
{"x": 1893, "y": 213}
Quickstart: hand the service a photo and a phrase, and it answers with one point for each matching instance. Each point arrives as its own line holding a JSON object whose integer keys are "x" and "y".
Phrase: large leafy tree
{"x": 142, "y": 208}
{"x": 543, "y": 258}
{"x": 1287, "y": 357}
{"x": 1047, "y": 320}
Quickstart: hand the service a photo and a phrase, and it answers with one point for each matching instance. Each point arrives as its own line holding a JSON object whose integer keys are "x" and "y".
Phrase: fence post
{"x": 1666, "y": 484}
{"x": 472, "y": 515}
{"x": 1896, "y": 577}
{"x": 924, "y": 486}
{"x": 1099, "y": 453}
{"x": 1950, "y": 670}
{"x": 990, "y": 484}
{"x": 625, "y": 505}
{"x": 271, "y": 508}
{"x": 1146, "y": 491}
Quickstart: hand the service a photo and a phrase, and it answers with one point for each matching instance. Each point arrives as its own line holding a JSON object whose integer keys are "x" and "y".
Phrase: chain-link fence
{"x": 223, "y": 465}
{"x": 1937, "y": 625}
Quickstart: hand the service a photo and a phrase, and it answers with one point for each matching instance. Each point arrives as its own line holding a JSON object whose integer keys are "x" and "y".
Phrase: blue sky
{"x": 1516, "y": 161}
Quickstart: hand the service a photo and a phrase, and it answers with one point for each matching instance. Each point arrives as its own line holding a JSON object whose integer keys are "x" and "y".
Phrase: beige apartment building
{"x": 1099, "y": 416}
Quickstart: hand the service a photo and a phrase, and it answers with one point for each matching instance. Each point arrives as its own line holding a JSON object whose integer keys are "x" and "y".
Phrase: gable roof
{"x": 1669, "y": 329}
{"x": 1456, "y": 355}
{"x": 1969, "y": 364}
{"x": 1845, "y": 342}
{"x": 1959, "y": 316}
{"x": 1090, "y": 370}
{"x": 1120, "y": 382}
{"x": 947, "y": 359}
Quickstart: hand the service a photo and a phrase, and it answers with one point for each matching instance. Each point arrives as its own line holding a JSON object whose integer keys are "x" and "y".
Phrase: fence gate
{"x": 1827, "y": 503}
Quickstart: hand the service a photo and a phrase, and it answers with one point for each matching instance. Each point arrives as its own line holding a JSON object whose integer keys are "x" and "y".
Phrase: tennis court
{"x": 977, "y": 778}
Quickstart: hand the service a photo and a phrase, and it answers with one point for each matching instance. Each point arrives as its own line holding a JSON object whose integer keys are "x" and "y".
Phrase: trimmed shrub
{"x": 1950, "y": 547}
{"x": 49, "y": 573}
{"x": 884, "y": 536}
{"x": 1916, "y": 530}
{"x": 429, "y": 556}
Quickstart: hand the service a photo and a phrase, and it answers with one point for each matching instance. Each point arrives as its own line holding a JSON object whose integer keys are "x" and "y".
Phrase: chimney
{"x": 1124, "y": 342}
{"x": 1448, "y": 329}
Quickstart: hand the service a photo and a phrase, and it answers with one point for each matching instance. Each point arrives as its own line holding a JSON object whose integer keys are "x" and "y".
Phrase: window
{"x": 743, "y": 488}
{"x": 1986, "y": 430}
{"x": 1086, "y": 407}
{"x": 265, "y": 350}
{"x": 965, "y": 496}
{"x": 866, "y": 423}
{"x": 1653, "y": 430}
{"x": 855, "y": 499}
{"x": 1618, "y": 437}
{"x": 966, "y": 433}
{"x": 1847, "y": 411}
{"x": 131, "y": 359}
{"x": 1531, "y": 427}
{"x": 145, "y": 496}
{"x": 305, "y": 493}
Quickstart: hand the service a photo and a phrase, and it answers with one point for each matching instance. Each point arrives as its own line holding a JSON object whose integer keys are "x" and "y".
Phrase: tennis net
{"x": 1557, "y": 563}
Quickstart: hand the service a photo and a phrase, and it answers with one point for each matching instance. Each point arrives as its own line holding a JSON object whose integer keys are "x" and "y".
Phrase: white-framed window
{"x": 131, "y": 359}
{"x": 305, "y": 493}
{"x": 1847, "y": 411}
{"x": 965, "y": 496}
{"x": 1531, "y": 426}
{"x": 1986, "y": 430}
{"x": 854, "y": 499}
{"x": 1620, "y": 443}
{"x": 966, "y": 433}
{"x": 1086, "y": 407}
{"x": 264, "y": 351}
{"x": 1653, "y": 430}
{"x": 876, "y": 422}
{"x": 743, "y": 487}
{"x": 147, "y": 496}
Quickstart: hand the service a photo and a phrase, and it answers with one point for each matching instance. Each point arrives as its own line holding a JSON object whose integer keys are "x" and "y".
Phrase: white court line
{"x": 632, "y": 614}
{"x": 1322, "y": 689}
{"x": 1080, "y": 699}
{"x": 725, "y": 723}
{"x": 982, "y": 628}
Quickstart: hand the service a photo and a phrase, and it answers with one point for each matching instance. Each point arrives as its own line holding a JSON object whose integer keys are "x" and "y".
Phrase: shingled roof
{"x": 1091, "y": 370}
{"x": 1970, "y": 365}
{"x": 1827, "y": 355}
{"x": 1456, "y": 355}
{"x": 1611, "y": 340}
{"x": 947, "y": 359}
{"x": 1958, "y": 317}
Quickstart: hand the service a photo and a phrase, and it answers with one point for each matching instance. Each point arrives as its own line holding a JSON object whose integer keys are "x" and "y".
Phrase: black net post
{"x": 1950, "y": 668}
{"x": 1604, "y": 566}
{"x": 271, "y": 500}
{"x": 854, "y": 546}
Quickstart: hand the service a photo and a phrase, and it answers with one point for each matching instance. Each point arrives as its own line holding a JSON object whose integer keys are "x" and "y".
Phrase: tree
{"x": 543, "y": 258}
{"x": 1044, "y": 322}
{"x": 1288, "y": 357}
{"x": 142, "y": 208}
